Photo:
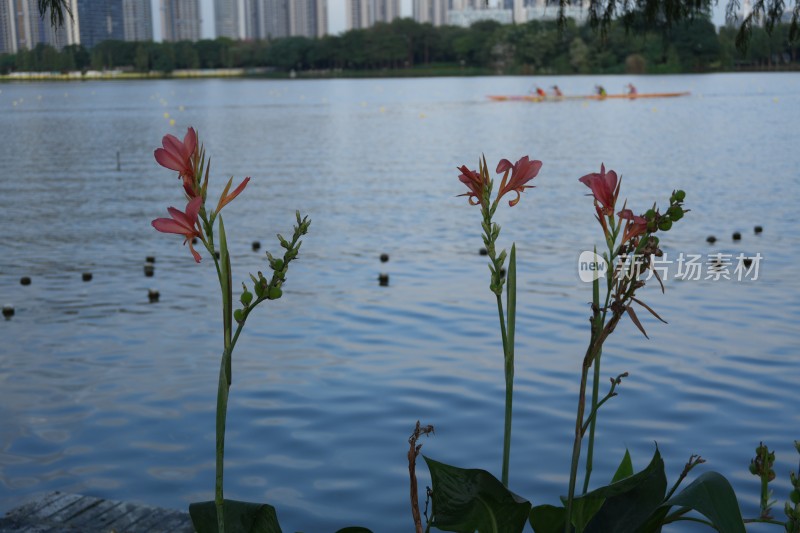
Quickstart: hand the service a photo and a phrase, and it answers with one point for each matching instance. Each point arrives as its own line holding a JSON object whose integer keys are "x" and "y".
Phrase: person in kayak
{"x": 632, "y": 90}
{"x": 540, "y": 92}
{"x": 600, "y": 90}
{"x": 557, "y": 92}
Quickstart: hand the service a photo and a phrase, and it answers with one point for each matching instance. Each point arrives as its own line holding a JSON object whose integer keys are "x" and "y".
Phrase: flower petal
{"x": 168, "y": 160}
{"x": 504, "y": 165}
{"x": 225, "y": 199}
{"x": 190, "y": 141}
{"x": 193, "y": 208}
{"x": 167, "y": 225}
{"x": 171, "y": 144}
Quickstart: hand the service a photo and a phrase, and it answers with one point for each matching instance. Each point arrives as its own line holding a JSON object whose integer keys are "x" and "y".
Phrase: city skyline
{"x": 152, "y": 24}
{"x": 337, "y": 16}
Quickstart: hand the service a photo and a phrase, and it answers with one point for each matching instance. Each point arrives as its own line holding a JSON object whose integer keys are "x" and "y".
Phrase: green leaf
{"x": 226, "y": 285}
{"x": 622, "y": 506}
{"x": 712, "y": 496}
{"x": 474, "y": 500}
{"x": 583, "y": 510}
{"x": 596, "y": 286}
{"x": 548, "y": 519}
{"x": 656, "y": 520}
{"x": 240, "y": 517}
{"x": 511, "y": 301}
{"x": 625, "y": 468}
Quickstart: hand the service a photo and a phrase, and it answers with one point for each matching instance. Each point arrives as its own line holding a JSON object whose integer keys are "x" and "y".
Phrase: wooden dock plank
{"x": 76, "y": 508}
{"x": 93, "y": 516}
{"x": 33, "y": 507}
{"x": 167, "y": 520}
{"x": 73, "y": 513}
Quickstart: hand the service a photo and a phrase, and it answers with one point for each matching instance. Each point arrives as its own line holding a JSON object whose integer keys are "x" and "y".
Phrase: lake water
{"x": 105, "y": 394}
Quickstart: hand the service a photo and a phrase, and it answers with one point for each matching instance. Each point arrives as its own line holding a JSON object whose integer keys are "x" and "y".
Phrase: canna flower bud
{"x": 665, "y": 224}
{"x": 246, "y": 298}
{"x": 675, "y": 212}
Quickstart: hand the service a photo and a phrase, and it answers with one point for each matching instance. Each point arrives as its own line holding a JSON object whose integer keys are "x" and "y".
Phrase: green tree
{"x": 696, "y": 43}
{"x": 164, "y": 57}
{"x": 141, "y": 60}
{"x": 186, "y": 55}
{"x": 579, "y": 56}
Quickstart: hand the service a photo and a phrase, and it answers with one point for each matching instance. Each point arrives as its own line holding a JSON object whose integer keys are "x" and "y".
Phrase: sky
{"x": 336, "y": 16}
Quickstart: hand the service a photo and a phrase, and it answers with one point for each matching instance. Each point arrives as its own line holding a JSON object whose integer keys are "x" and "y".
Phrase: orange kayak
{"x": 536, "y": 98}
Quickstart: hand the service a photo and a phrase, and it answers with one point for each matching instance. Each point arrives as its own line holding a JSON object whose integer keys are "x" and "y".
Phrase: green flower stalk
{"x": 515, "y": 179}
{"x": 197, "y": 223}
{"x": 792, "y": 507}
{"x": 761, "y": 466}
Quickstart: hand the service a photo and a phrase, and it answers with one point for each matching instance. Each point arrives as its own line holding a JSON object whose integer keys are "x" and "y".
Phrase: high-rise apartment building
{"x": 180, "y": 20}
{"x": 137, "y": 19}
{"x": 308, "y": 18}
{"x": 22, "y": 27}
{"x": 430, "y": 11}
{"x": 359, "y": 14}
{"x": 100, "y": 20}
{"x": 231, "y": 17}
{"x": 273, "y": 19}
{"x": 386, "y": 10}
{"x": 365, "y": 13}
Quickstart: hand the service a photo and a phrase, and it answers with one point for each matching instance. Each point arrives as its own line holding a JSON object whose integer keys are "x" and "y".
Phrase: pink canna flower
{"x": 605, "y": 189}
{"x": 475, "y": 182}
{"x": 181, "y": 223}
{"x": 522, "y": 172}
{"x": 178, "y": 156}
{"x": 634, "y": 226}
{"x": 226, "y": 198}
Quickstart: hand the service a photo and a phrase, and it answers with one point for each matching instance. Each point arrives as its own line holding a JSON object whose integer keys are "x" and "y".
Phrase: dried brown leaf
{"x": 649, "y": 309}
{"x": 635, "y": 319}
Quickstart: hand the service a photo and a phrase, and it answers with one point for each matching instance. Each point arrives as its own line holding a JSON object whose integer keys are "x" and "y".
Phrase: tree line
{"x": 408, "y": 47}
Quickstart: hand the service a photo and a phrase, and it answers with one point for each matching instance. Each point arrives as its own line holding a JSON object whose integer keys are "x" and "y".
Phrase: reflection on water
{"x": 106, "y": 394}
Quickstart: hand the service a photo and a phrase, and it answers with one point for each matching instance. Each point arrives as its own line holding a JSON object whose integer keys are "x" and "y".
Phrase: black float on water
{"x": 25, "y": 280}
{"x": 384, "y": 258}
{"x": 149, "y": 269}
{"x": 483, "y": 251}
{"x": 153, "y": 295}
{"x": 383, "y": 279}
{"x": 711, "y": 239}
{"x": 256, "y": 245}
{"x": 150, "y": 259}
{"x": 737, "y": 236}
{"x": 758, "y": 229}
{"x": 8, "y": 311}
{"x": 87, "y": 276}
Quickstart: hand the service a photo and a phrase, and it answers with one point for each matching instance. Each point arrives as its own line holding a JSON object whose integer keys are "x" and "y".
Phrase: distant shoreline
{"x": 268, "y": 73}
